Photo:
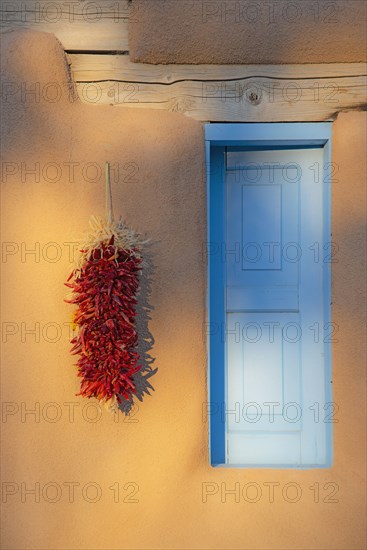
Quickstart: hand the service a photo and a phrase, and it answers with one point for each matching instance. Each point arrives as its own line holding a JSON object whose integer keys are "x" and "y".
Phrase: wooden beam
{"x": 246, "y": 93}
{"x": 80, "y": 26}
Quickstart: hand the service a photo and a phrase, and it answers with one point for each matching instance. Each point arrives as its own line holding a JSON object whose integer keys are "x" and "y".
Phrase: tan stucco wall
{"x": 349, "y": 289}
{"x": 240, "y": 31}
{"x": 165, "y": 452}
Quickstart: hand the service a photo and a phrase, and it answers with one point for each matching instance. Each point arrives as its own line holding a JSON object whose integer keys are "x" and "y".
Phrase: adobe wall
{"x": 243, "y": 31}
{"x": 164, "y": 455}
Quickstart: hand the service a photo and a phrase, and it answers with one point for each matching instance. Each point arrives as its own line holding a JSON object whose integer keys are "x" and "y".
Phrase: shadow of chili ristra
{"x": 145, "y": 338}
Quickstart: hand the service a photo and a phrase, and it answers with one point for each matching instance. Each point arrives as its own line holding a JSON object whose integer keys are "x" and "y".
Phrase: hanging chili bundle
{"x": 104, "y": 285}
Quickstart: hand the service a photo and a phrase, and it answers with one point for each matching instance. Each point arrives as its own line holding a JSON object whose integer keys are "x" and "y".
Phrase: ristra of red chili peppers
{"x": 104, "y": 286}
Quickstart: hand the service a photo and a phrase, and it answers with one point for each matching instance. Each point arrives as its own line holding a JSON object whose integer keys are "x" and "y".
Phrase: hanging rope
{"x": 105, "y": 284}
{"x": 109, "y": 207}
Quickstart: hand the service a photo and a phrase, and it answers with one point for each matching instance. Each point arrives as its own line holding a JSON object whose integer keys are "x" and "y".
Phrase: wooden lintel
{"x": 246, "y": 93}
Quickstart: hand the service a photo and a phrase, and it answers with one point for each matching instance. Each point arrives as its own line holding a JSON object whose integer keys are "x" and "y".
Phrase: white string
{"x": 109, "y": 208}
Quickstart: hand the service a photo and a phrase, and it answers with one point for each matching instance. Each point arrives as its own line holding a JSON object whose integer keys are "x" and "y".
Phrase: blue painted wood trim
{"x": 217, "y": 137}
{"x": 327, "y": 198}
{"x": 308, "y": 133}
{"x": 216, "y": 303}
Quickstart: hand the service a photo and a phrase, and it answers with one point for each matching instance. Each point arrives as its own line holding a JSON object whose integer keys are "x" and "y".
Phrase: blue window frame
{"x": 219, "y": 137}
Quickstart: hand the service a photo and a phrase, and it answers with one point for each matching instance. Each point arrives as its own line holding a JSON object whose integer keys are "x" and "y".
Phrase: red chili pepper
{"x": 107, "y": 339}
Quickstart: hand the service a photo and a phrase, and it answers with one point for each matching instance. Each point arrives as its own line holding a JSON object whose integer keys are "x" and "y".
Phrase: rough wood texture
{"x": 79, "y": 25}
{"x": 252, "y": 93}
